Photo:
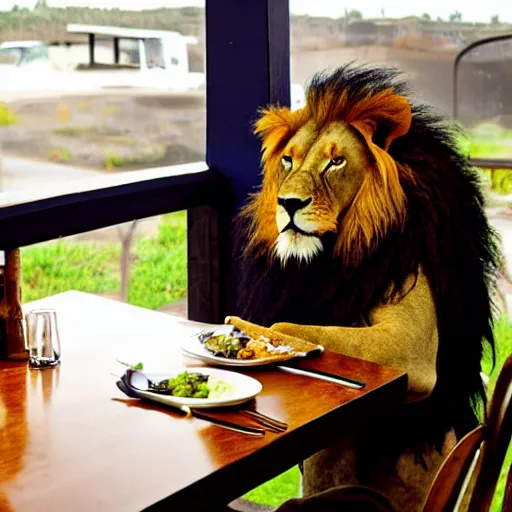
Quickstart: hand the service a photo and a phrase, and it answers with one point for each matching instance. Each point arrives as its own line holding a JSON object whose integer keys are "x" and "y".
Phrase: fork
{"x": 251, "y": 412}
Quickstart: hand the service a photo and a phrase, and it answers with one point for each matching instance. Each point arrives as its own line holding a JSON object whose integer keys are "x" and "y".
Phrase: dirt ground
{"x": 109, "y": 132}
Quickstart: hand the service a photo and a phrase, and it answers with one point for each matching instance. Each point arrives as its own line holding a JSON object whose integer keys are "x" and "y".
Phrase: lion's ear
{"x": 274, "y": 126}
{"x": 382, "y": 118}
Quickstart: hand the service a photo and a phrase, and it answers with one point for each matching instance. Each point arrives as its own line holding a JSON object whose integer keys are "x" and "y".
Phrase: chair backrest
{"x": 478, "y": 457}
{"x": 451, "y": 475}
{"x": 496, "y": 441}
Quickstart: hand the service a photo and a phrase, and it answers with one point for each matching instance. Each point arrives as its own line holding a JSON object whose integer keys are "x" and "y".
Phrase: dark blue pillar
{"x": 247, "y": 67}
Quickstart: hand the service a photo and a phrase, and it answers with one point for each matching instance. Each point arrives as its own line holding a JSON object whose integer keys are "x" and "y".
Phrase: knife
{"x": 132, "y": 393}
{"x": 329, "y": 377}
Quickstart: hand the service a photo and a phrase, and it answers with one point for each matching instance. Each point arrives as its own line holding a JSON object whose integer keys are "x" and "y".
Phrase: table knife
{"x": 330, "y": 377}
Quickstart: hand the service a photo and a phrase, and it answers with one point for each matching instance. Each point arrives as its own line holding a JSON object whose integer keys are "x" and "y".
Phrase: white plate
{"x": 194, "y": 348}
{"x": 242, "y": 389}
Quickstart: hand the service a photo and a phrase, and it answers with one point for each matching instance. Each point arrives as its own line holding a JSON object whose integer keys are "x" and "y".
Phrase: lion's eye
{"x": 339, "y": 161}
{"x": 287, "y": 162}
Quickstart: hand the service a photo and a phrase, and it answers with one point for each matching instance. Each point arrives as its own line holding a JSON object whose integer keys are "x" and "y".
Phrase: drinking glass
{"x": 42, "y": 338}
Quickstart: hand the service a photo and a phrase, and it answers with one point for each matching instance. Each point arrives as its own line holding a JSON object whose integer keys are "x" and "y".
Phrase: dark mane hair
{"x": 445, "y": 231}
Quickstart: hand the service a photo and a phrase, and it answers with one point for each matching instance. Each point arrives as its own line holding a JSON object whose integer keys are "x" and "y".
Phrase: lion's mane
{"x": 445, "y": 231}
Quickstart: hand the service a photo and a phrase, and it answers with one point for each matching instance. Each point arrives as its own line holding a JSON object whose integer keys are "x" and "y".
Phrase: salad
{"x": 184, "y": 385}
{"x": 192, "y": 385}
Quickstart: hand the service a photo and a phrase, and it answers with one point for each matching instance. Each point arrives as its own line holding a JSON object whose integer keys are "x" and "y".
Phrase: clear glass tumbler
{"x": 42, "y": 338}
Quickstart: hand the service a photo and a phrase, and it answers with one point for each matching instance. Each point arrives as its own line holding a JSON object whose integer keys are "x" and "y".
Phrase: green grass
{"x": 73, "y": 131}
{"x": 158, "y": 272}
{"x": 489, "y": 140}
{"x": 503, "y": 334}
{"x": 7, "y": 116}
{"x": 278, "y": 490}
{"x": 55, "y": 267}
{"x": 147, "y": 155}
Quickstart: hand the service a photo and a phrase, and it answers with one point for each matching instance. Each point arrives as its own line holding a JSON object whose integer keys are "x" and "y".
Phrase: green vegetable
{"x": 227, "y": 346}
{"x": 189, "y": 385}
{"x": 135, "y": 367}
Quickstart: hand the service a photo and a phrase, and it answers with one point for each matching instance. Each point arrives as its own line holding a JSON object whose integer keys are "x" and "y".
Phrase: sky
{"x": 472, "y": 10}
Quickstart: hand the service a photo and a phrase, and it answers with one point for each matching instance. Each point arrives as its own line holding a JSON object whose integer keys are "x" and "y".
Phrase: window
{"x": 154, "y": 50}
{"x": 10, "y": 56}
{"x": 104, "y": 103}
{"x": 482, "y": 100}
{"x": 36, "y": 53}
{"x": 104, "y": 114}
{"x": 141, "y": 262}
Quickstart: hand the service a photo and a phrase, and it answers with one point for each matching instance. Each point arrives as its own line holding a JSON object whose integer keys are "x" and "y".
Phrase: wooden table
{"x": 71, "y": 441}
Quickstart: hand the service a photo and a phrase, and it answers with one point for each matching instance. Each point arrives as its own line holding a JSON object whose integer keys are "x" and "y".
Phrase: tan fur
{"x": 402, "y": 335}
{"x": 406, "y": 488}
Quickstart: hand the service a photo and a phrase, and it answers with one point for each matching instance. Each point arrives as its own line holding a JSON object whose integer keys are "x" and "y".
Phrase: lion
{"x": 368, "y": 236}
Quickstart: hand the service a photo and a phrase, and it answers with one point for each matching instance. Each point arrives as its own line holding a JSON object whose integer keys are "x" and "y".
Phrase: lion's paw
{"x": 252, "y": 330}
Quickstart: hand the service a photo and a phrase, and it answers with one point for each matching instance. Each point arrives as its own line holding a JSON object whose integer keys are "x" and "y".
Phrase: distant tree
{"x": 383, "y": 13}
{"x": 495, "y": 20}
{"x": 426, "y": 16}
{"x": 354, "y": 13}
{"x": 439, "y": 18}
{"x": 41, "y": 4}
{"x": 15, "y": 8}
{"x": 455, "y": 16}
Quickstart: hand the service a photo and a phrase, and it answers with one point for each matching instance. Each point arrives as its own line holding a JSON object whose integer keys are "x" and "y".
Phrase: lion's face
{"x": 327, "y": 169}
{"x": 320, "y": 172}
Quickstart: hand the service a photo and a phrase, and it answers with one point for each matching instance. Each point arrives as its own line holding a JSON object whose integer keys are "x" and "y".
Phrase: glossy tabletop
{"x": 71, "y": 441}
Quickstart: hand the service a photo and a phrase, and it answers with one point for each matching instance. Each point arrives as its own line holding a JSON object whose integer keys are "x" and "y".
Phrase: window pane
{"x": 421, "y": 40}
{"x": 483, "y": 101}
{"x": 142, "y": 262}
{"x": 136, "y": 102}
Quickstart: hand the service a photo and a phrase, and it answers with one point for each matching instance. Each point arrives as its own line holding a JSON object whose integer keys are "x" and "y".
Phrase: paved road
{"x": 20, "y": 174}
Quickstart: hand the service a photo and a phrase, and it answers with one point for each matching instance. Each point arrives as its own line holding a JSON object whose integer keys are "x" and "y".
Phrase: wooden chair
{"x": 474, "y": 465}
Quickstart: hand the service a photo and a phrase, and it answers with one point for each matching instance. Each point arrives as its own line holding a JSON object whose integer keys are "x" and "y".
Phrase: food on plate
{"x": 186, "y": 385}
{"x": 225, "y": 342}
{"x": 230, "y": 342}
{"x": 136, "y": 367}
{"x": 191, "y": 385}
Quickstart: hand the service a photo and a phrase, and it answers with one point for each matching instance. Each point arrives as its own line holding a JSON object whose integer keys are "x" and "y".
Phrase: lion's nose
{"x": 293, "y": 204}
